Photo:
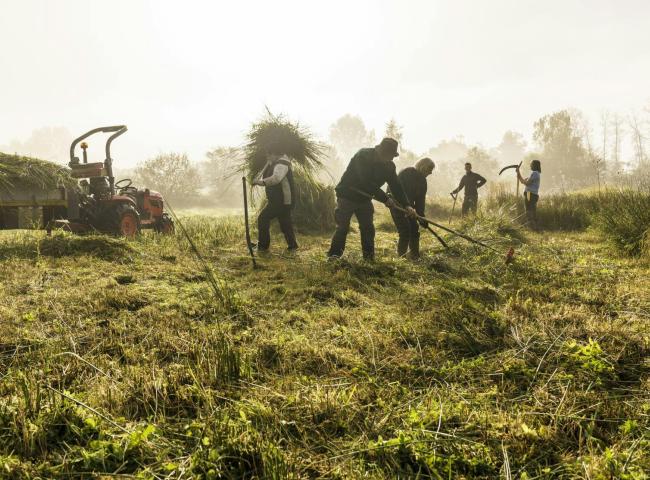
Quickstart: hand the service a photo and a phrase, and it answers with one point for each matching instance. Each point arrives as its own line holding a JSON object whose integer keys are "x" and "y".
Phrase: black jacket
{"x": 415, "y": 187}
{"x": 472, "y": 182}
{"x": 366, "y": 172}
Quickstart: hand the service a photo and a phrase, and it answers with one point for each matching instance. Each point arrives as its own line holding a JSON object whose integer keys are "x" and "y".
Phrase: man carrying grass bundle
{"x": 367, "y": 172}
{"x": 414, "y": 182}
{"x": 277, "y": 179}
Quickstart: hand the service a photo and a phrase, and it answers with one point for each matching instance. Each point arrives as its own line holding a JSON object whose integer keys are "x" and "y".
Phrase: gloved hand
{"x": 390, "y": 203}
{"x": 258, "y": 182}
{"x": 410, "y": 212}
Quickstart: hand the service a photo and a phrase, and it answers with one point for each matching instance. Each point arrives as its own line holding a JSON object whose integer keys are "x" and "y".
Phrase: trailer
{"x": 29, "y": 207}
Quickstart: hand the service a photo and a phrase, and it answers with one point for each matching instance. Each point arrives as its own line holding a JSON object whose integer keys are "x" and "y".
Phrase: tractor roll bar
{"x": 118, "y": 129}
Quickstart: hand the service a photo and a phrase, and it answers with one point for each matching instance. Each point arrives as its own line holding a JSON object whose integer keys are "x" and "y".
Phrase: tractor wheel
{"x": 166, "y": 225}
{"x": 127, "y": 221}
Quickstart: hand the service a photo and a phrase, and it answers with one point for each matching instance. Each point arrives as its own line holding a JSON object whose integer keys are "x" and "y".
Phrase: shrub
{"x": 624, "y": 218}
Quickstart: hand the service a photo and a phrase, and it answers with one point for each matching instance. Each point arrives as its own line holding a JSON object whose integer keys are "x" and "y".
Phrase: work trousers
{"x": 530, "y": 202}
{"x": 283, "y": 214}
{"x": 409, "y": 233}
{"x": 364, "y": 211}
{"x": 469, "y": 204}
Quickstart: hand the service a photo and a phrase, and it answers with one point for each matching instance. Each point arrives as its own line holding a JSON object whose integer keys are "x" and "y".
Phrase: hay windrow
{"x": 67, "y": 245}
{"x": 23, "y": 172}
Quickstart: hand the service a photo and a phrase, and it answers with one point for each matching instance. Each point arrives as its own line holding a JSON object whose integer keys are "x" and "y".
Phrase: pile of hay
{"x": 314, "y": 206}
{"x": 296, "y": 141}
{"x": 26, "y": 172}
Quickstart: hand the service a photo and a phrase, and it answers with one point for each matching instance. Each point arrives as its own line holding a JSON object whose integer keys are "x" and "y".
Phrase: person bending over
{"x": 414, "y": 182}
{"x": 367, "y": 172}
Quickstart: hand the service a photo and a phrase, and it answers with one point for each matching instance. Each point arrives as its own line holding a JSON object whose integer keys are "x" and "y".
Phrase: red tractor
{"x": 109, "y": 206}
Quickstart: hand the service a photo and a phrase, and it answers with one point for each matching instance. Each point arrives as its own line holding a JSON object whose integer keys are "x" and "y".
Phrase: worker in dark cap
{"x": 367, "y": 172}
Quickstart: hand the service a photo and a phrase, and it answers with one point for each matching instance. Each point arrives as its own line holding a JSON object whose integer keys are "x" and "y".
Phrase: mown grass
{"x": 458, "y": 366}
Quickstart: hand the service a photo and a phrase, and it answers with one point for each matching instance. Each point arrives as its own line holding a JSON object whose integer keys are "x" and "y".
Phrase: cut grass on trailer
{"x": 21, "y": 172}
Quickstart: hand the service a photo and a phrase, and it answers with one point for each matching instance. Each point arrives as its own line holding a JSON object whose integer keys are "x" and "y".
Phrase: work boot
{"x": 402, "y": 247}
{"x": 414, "y": 253}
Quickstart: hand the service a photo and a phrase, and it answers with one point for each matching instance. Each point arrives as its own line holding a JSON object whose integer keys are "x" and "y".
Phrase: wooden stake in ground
{"x": 248, "y": 231}
{"x": 518, "y": 186}
{"x": 453, "y": 206}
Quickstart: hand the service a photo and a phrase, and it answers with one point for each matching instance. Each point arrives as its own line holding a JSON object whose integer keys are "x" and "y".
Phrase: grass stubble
{"x": 116, "y": 360}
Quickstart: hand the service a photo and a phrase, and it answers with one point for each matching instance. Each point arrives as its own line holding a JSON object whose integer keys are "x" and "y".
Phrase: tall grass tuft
{"x": 558, "y": 212}
{"x": 624, "y": 218}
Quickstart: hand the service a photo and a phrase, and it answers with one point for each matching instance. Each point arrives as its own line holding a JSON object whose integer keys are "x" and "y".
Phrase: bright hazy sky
{"x": 190, "y": 75}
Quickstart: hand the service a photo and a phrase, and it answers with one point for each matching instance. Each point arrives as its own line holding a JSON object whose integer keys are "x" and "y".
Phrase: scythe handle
{"x": 248, "y": 232}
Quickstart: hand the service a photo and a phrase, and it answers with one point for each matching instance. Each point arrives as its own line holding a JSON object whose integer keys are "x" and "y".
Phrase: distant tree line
{"x": 574, "y": 155}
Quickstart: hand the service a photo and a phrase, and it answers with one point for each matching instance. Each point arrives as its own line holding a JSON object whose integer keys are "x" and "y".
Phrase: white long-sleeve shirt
{"x": 279, "y": 175}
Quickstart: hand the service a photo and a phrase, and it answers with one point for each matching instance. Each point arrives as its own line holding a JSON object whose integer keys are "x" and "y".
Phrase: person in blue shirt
{"x": 531, "y": 192}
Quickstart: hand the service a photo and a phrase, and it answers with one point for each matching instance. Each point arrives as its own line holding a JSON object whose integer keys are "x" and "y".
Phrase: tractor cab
{"x": 110, "y": 206}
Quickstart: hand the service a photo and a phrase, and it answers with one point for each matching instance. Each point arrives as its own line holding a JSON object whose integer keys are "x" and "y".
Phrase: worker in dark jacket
{"x": 367, "y": 172}
{"x": 414, "y": 182}
{"x": 277, "y": 179}
{"x": 471, "y": 182}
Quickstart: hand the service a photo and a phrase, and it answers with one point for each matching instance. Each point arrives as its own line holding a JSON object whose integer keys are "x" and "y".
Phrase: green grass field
{"x": 119, "y": 359}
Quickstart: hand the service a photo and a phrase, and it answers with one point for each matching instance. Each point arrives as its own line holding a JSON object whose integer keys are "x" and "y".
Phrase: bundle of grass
{"x": 26, "y": 172}
{"x": 314, "y": 202}
{"x": 624, "y": 218}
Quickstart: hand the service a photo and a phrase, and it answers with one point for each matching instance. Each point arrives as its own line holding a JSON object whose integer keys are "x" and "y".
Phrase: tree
{"x": 482, "y": 162}
{"x": 563, "y": 153}
{"x": 618, "y": 132}
{"x": 348, "y": 134}
{"x": 172, "y": 174}
{"x": 47, "y": 143}
{"x": 596, "y": 161}
{"x": 604, "y": 127}
{"x": 512, "y": 148}
{"x": 638, "y": 140}
{"x": 393, "y": 130}
{"x": 446, "y": 155}
{"x": 218, "y": 174}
